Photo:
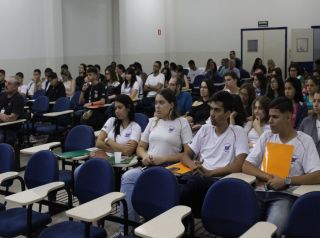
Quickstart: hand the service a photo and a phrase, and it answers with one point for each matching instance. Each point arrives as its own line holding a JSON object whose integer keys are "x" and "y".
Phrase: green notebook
{"x": 124, "y": 161}
{"x": 72, "y": 154}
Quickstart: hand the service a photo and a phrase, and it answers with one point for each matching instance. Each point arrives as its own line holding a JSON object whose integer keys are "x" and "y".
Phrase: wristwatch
{"x": 106, "y": 140}
{"x": 287, "y": 181}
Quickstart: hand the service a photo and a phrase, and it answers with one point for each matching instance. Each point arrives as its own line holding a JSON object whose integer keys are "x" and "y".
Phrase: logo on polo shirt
{"x": 127, "y": 134}
{"x": 171, "y": 129}
{"x": 227, "y": 147}
{"x": 294, "y": 158}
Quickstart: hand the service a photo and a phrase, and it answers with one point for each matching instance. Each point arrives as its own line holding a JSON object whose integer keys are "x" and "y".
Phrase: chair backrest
{"x": 62, "y": 104}
{"x": 95, "y": 178}
{"x": 40, "y": 105}
{"x": 155, "y": 192}
{"x": 74, "y": 101}
{"x": 41, "y": 169}
{"x": 39, "y": 93}
{"x": 304, "y": 217}
{"x": 6, "y": 158}
{"x": 230, "y": 208}
{"x": 198, "y": 80}
{"x": 80, "y": 137}
{"x": 142, "y": 120}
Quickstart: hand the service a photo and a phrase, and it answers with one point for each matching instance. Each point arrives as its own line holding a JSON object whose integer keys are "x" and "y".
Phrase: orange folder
{"x": 178, "y": 168}
{"x": 277, "y": 159}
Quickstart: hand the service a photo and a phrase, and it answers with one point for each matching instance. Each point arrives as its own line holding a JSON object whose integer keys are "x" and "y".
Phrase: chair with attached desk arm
{"x": 7, "y": 174}
{"x": 59, "y": 118}
{"x": 230, "y": 209}
{"x": 41, "y": 176}
{"x": 304, "y": 217}
{"x": 94, "y": 187}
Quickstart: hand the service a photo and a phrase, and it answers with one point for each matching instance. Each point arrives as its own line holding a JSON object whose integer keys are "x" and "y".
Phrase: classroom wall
{"x": 87, "y": 33}
{"x": 30, "y": 35}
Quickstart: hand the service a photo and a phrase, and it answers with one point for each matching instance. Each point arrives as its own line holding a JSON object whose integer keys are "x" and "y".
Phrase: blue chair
{"x": 230, "y": 208}
{"x": 304, "y": 217}
{"x": 80, "y": 137}
{"x": 155, "y": 192}
{"x": 60, "y": 122}
{"x": 142, "y": 120}
{"x": 74, "y": 101}
{"x": 6, "y": 165}
{"x": 41, "y": 169}
{"x": 39, "y": 93}
{"x": 95, "y": 178}
{"x": 38, "y": 108}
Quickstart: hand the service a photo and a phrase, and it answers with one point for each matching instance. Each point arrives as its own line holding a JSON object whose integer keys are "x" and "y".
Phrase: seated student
{"x": 68, "y": 82}
{"x": 113, "y": 86}
{"x": 11, "y": 106}
{"x": 161, "y": 142}
{"x": 93, "y": 93}
{"x": 56, "y": 89}
{"x": 230, "y": 79}
{"x": 2, "y": 79}
{"x": 194, "y": 71}
{"x": 45, "y": 82}
{"x": 311, "y": 124}
{"x": 35, "y": 84}
{"x": 184, "y": 99}
{"x": 305, "y": 164}
{"x": 238, "y": 116}
{"x": 22, "y": 88}
{"x": 275, "y": 87}
{"x": 247, "y": 94}
{"x": 130, "y": 85}
{"x": 259, "y": 82}
{"x": 260, "y": 121}
{"x": 120, "y": 133}
{"x": 181, "y": 75}
{"x": 82, "y": 74}
{"x": 221, "y": 147}
{"x": 293, "y": 92}
{"x": 200, "y": 108}
{"x": 312, "y": 84}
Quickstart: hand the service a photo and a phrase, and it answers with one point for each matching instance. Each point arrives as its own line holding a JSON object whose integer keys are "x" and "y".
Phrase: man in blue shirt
{"x": 184, "y": 99}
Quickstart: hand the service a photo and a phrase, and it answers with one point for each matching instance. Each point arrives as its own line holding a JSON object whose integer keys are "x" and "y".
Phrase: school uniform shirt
{"x": 166, "y": 137}
{"x": 253, "y": 135}
{"x": 131, "y": 132}
{"x": 192, "y": 74}
{"x": 218, "y": 151}
{"x": 127, "y": 89}
{"x": 95, "y": 93}
{"x": 153, "y": 81}
{"x": 305, "y": 158}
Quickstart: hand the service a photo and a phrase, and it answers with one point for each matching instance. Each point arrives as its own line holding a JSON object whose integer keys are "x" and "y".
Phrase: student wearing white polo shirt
{"x": 130, "y": 85}
{"x": 161, "y": 142}
{"x": 221, "y": 147}
{"x": 273, "y": 192}
{"x": 153, "y": 85}
{"x": 120, "y": 133}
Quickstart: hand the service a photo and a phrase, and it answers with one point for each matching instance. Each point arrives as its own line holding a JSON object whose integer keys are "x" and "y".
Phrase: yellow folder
{"x": 277, "y": 159}
{"x": 178, "y": 168}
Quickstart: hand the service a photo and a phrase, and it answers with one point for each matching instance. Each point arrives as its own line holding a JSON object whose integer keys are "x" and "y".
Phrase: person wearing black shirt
{"x": 93, "y": 93}
{"x": 56, "y": 89}
{"x": 80, "y": 78}
{"x": 12, "y": 106}
{"x": 2, "y": 79}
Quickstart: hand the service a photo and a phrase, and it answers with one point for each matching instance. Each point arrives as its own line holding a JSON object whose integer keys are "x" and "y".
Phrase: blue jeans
{"x": 275, "y": 208}
{"x": 128, "y": 182}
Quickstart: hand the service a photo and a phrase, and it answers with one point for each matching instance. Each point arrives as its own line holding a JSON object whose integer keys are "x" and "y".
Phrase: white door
{"x": 252, "y": 48}
{"x": 274, "y": 47}
{"x": 301, "y": 45}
